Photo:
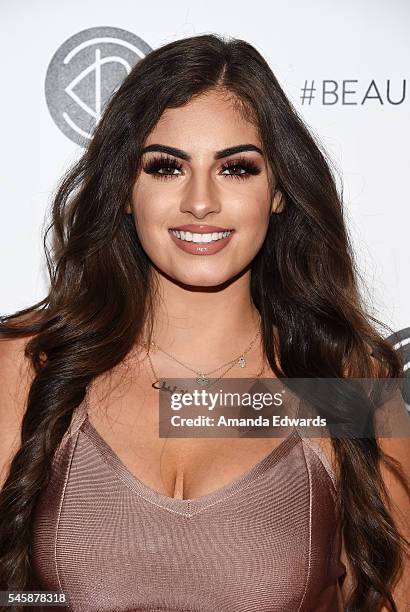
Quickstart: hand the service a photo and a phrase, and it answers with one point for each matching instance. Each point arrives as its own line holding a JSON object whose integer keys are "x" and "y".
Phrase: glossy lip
{"x": 201, "y": 248}
{"x": 201, "y": 229}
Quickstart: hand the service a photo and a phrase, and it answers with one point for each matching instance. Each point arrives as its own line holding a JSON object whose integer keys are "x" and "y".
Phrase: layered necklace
{"x": 203, "y": 378}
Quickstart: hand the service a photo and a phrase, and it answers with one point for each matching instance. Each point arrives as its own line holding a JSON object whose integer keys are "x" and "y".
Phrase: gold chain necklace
{"x": 203, "y": 377}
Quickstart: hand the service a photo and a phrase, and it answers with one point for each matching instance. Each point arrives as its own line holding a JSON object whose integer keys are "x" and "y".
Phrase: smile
{"x": 201, "y": 243}
{"x": 192, "y": 237}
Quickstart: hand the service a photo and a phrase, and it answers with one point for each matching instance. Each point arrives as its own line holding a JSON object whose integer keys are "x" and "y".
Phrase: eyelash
{"x": 158, "y": 163}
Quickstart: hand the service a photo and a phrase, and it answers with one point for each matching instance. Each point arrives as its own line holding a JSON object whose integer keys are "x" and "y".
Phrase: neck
{"x": 205, "y": 326}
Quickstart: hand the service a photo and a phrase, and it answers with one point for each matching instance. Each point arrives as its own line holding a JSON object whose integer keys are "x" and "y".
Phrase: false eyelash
{"x": 157, "y": 163}
{"x": 242, "y": 162}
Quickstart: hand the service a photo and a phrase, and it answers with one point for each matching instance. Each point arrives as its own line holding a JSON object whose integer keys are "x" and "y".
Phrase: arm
{"x": 16, "y": 375}
{"x": 399, "y": 507}
{"x": 398, "y": 501}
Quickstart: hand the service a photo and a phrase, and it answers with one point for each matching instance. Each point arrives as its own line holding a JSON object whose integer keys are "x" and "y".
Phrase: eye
{"x": 157, "y": 164}
{"x": 246, "y": 166}
{"x": 164, "y": 167}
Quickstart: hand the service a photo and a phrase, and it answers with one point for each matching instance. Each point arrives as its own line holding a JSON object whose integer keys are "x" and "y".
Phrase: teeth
{"x": 193, "y": 237}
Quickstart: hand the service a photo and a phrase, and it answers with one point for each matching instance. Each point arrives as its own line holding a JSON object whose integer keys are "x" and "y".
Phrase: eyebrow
{"x": 184, "y": 155}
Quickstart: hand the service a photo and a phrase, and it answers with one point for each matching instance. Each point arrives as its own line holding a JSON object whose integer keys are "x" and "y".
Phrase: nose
{"x": 200, "y": 197}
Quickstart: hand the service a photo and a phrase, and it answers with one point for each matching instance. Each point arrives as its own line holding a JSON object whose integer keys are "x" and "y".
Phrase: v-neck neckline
{"x": 191, "y": 506}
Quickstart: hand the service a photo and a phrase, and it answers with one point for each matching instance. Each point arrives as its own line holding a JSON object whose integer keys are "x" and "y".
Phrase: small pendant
{"x": 202, "y": 380}
{"x": 242, "y": 361}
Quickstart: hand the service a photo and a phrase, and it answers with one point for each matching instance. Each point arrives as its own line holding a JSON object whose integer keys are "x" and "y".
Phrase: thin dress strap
{"x": 323, "y": 457}
{"x": 79, "y": 414}
{"x": 78, "y": 417}
{"x": 316, "y": 447}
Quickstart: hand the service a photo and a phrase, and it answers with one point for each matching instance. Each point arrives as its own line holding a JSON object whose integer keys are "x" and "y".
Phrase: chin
{"x": 203, "y": 278}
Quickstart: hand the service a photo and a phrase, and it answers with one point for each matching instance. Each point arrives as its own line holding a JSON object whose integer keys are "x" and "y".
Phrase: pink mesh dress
{"x": 267, "y": 542}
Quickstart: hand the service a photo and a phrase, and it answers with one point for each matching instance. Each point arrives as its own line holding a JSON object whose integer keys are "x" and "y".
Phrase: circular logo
{"x": 84, "y": 73}
{"x": 401, "y": 344}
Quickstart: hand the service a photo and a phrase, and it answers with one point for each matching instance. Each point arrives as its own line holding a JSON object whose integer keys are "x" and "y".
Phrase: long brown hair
{"x": 303, "y": 281}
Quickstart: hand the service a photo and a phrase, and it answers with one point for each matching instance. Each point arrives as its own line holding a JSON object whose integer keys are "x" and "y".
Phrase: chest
{"x": 126, "y": 416}
{"x": 182, "y": 468}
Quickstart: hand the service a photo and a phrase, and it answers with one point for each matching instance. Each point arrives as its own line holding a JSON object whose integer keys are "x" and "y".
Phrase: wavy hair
{"x": 304, "y": 281}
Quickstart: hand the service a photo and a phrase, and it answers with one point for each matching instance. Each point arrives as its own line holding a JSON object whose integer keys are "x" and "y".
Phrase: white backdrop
{"x": 361, "y": 46}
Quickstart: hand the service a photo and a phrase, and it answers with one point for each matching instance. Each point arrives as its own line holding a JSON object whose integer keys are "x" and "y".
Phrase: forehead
{"x": 210, "y": 121}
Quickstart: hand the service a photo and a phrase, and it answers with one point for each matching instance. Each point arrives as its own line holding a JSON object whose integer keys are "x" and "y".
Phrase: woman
{"x": 200, "y": 138}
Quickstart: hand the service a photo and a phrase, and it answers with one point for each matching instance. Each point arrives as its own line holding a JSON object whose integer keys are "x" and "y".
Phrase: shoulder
{"x": 16, "y": 375}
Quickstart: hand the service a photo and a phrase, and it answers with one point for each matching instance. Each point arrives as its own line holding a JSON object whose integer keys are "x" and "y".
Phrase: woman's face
{"x": 196, "y": 187}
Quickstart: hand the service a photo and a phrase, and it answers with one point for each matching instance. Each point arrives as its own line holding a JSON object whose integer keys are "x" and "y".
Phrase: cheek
{"x": 254, "y": 231}
{"x": 253, "y": 217}
{"x": 148, "y": 209}
{"x": 254, "y": 240}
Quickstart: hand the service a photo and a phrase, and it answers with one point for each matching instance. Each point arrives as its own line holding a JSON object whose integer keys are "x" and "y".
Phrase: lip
{"x": 200, "y": 248}
{"x": 201, "y": 229}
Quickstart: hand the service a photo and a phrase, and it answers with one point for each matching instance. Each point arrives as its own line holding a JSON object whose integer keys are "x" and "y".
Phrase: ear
{"x": 278, "y": 202}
